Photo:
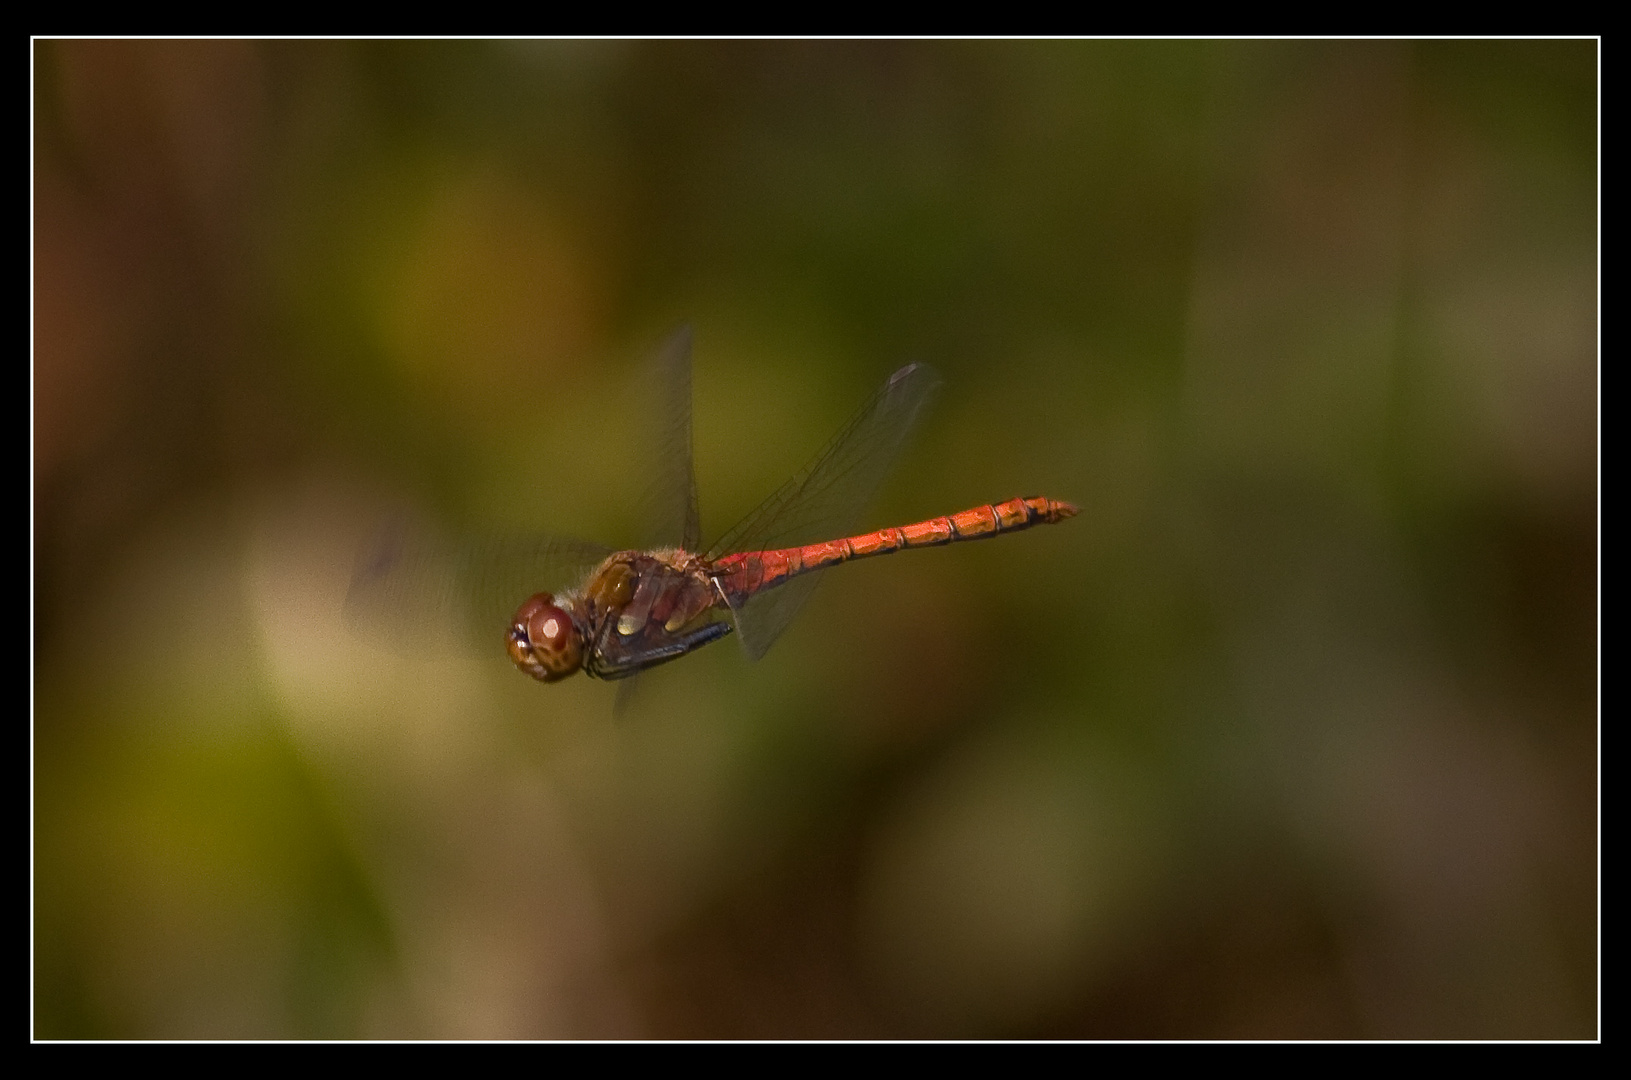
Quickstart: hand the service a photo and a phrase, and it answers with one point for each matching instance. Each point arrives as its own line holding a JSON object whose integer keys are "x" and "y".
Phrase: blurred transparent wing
{"x": 668, "y": 511}
{"x": 825, "y": 499}
{"x": 414, "y": 589}
{"x": 668, "y": 504}
{"x": 628, "y": 690}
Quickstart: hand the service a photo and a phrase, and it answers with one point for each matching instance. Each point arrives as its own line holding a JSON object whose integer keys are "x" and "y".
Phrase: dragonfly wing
{"x": 415, "y": 589}
{"x": 668, "y": 508}
{"x": 825, "y": 499}
{"x": 627, "y": 690}
{"x": 669, "y": 503}
{"x": 761, "y": 619}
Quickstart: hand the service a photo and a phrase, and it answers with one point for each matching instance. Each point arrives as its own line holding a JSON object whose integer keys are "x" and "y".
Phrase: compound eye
{"x": 550, "y": 629}
{"x": 543, "y": 640}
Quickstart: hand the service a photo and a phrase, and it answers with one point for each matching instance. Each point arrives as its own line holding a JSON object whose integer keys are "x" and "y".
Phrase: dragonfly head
{"x": 543, "y": 641}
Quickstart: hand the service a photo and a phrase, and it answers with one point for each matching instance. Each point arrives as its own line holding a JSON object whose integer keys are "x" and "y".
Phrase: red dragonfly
{"x": 632, "y": 610}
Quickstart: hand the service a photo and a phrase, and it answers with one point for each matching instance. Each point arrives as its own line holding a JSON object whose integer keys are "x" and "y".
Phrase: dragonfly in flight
{"x": 626, "y": 611}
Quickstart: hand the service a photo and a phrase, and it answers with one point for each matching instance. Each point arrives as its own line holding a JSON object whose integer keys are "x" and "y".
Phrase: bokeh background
{"x": 1292, "y": 733}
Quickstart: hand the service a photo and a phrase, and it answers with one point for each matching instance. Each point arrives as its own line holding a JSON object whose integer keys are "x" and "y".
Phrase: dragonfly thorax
{"x": 636, "y": 610}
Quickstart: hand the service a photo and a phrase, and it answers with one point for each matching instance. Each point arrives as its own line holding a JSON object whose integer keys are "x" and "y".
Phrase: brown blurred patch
{"x": 907, "y": 658}
{"x": 1261, "y": 962}
{"x": 146, "y": 154}
{"x": 86, "y": 324}
{"x": 495, "y": 296}
{"x": 773, "y": 960}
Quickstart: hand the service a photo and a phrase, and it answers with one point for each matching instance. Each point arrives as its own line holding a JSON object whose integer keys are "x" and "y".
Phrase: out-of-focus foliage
{"x": 1292, "y": 733}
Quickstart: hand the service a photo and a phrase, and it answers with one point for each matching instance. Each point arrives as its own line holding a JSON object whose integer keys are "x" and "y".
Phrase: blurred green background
{"x": 1292, "y": 733}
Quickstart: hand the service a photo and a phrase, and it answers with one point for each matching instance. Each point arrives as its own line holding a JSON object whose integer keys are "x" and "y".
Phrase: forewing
{"x": 826, "y": 499}
{"x": 415, "y": 589}
{"x": 668, "y": 511}
{"x": 668, "y": 502}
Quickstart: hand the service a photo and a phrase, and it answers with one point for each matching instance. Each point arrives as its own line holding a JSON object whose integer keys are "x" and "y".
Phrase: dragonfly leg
{"x": 637, "y": 660}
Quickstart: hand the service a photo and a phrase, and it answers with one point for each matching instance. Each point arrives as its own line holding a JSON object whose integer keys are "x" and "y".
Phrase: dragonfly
{"x": 622, "y": 612}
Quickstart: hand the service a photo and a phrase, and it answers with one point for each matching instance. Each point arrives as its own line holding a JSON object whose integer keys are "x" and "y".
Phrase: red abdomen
{"x": 742, "y": 574}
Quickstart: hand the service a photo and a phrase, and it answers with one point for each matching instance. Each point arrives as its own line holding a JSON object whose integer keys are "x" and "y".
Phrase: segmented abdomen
{"x": 745, "y": 573}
